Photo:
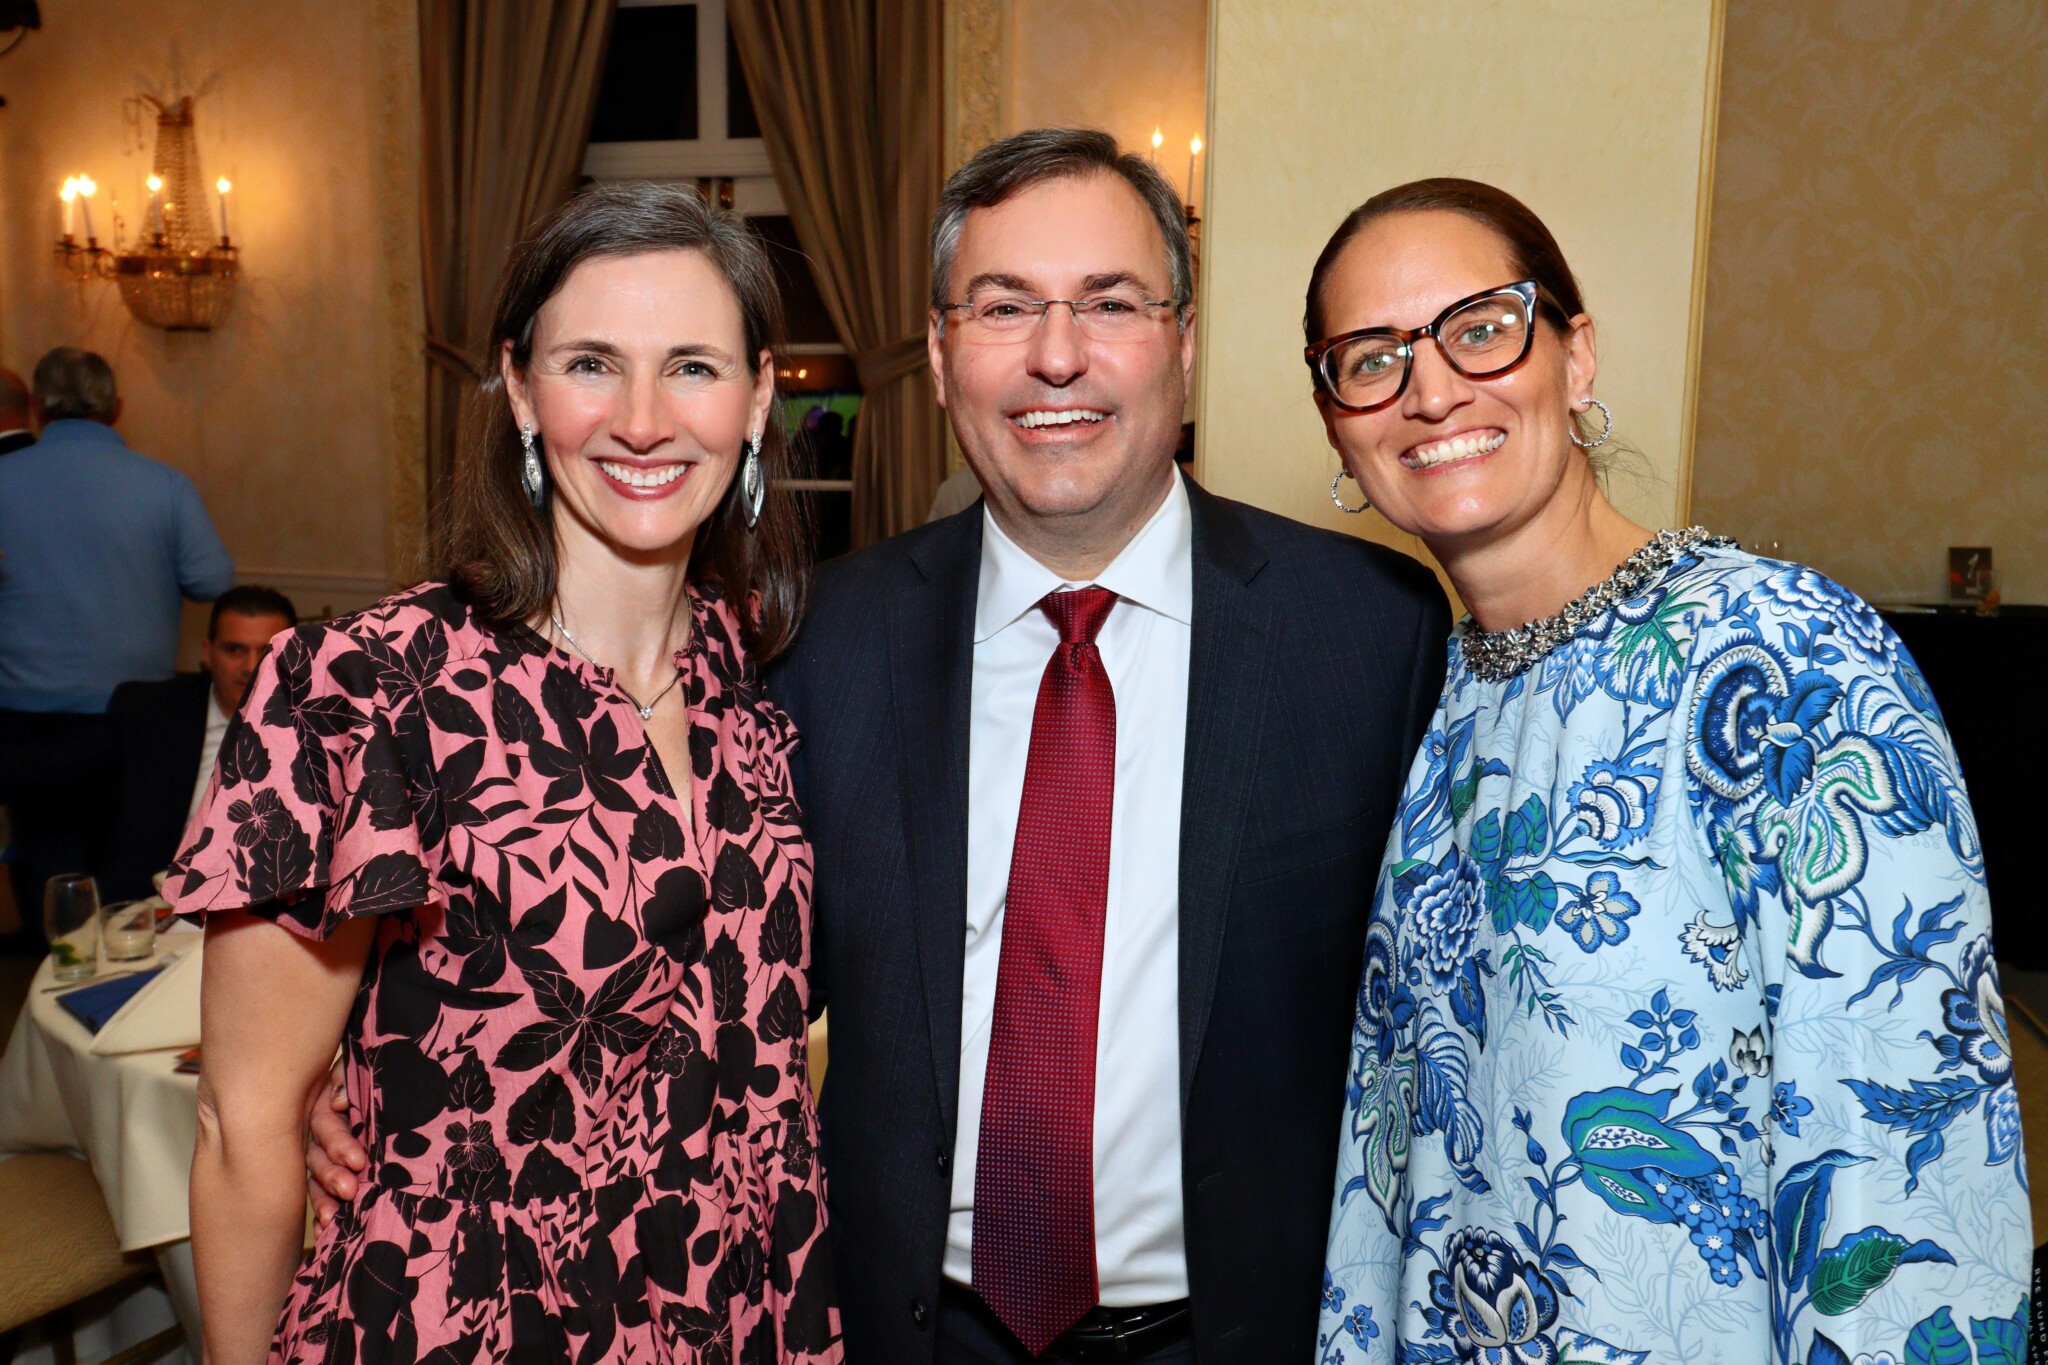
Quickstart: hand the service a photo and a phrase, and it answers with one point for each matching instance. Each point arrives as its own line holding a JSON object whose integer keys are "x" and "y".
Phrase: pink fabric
{"x": 1034, "y": 1173}
{"x": 579, "y": 1050}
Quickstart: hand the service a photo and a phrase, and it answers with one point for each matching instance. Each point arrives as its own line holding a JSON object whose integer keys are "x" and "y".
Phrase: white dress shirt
{"x": 216, "y": 726}
{"x": 1140, "y": 1253}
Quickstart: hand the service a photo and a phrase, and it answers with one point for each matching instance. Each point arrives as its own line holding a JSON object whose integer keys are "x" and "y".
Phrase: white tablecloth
{"x": 133, "y": 1117}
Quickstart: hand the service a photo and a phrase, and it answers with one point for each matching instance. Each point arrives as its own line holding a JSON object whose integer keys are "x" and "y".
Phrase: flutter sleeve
{"x": 1829, "y": 795}
{"x": 308, "y": 819}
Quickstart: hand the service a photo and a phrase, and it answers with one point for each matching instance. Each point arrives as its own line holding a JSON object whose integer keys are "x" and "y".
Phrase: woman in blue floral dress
{"x": 1679, "y": 1036}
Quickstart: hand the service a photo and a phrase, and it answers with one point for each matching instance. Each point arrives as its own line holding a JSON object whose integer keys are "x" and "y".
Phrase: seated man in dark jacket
{"x": 168, "y": 733}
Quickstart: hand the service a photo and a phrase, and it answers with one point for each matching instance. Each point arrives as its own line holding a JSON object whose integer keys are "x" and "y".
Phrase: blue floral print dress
{"x": 1679, "y": 1036}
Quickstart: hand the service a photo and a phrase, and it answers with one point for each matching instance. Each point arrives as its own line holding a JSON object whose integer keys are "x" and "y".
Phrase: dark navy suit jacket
{"x": 1315, "y": 665}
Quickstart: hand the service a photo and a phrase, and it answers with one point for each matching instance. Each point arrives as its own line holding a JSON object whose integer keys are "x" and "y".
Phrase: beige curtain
{"x": 507, "y": 95}
{"x": 848, "y": 96}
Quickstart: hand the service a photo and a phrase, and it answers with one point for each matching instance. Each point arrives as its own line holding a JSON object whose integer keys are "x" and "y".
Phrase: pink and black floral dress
{"x": 578, "y": 1052}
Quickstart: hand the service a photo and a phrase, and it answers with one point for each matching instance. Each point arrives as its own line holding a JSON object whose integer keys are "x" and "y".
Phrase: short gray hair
{"x": 1035, "y": 156}
{"x": 70, "y": 382}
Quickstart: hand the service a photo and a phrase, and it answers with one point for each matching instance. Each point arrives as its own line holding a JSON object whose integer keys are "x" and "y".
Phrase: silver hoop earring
{"x": 530, "y": 473}
{"x": 1605, "y": 431}
{"x": 753, "y": 488}
{"x": 1343, "y": 474}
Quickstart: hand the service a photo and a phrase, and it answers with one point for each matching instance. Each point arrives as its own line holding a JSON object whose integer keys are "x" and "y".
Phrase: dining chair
{"x": 61, "y": 1249}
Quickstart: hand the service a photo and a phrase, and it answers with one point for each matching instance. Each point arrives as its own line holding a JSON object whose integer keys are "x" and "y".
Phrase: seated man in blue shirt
{"x": 98, "y": 546}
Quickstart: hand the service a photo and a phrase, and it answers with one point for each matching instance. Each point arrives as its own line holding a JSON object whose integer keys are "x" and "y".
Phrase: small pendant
{"x": 647, "y": 713}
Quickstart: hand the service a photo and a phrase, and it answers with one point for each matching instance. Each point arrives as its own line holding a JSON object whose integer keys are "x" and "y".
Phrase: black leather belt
{"x": 1105, "y": 1334}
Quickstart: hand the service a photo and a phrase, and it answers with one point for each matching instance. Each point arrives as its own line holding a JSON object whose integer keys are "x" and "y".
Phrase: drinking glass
{"x": 71, "y": 919}
{"x": 128, "y": 931}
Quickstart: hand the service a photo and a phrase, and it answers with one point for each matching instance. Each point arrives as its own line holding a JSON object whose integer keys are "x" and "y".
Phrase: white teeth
{"x": 1058, "y": 419}
{"x": 643, "y": 478}
{"x": 1457, "y": 448}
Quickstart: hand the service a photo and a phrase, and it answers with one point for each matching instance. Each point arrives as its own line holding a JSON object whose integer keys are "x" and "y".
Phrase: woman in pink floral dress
{"x": 522, "y": 843}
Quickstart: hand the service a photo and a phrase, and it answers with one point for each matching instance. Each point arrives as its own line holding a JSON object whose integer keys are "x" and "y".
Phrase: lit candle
{"x": 156, "y": 208}
{"x": 1194, "y": 155}
{"x": 222, "y": 186}
{"x": 69, "y": 194}
{"x": 1158, "y": 141}
{"x": 87, "y": 188}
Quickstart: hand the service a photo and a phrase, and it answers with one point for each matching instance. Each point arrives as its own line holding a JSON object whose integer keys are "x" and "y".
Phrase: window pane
{"x": 649, "y": 89}
{"x": 740, "y": 120}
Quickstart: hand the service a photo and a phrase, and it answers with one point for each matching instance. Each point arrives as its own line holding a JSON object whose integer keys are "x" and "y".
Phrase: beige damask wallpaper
{"x": 1874, "y": 381}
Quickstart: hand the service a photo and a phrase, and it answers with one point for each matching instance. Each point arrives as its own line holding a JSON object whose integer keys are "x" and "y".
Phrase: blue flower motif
{"x": 1810, "y": 596}
{"x": 1615, "y": 803}
{"x": 1444, "y": 907}
{"x": 1385, "y": 1004}
{"x": 1601, "y": 915}
{"x": 1361, "y": 1326}
{"x": 1494, "y": 1306}
{"x": 1788, "y": 1106}
{"x": 1975, "y": 1018}
{"x": 1333, "y": 1294}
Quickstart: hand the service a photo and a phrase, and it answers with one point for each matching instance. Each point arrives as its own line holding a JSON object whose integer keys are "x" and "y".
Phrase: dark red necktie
{"x": 1034, "y": 1178}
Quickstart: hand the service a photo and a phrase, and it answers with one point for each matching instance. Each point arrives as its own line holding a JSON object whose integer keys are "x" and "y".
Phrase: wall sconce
{"x": 178, "y": 276}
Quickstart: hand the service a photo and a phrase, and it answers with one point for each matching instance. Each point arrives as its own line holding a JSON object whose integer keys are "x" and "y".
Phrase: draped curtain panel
{"x": 507, "y": 93}
{"x": 848, "y": 95}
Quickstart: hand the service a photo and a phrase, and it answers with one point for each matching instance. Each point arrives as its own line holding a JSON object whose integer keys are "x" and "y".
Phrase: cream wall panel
{"x": 1594, "y": 112}
{"x": 1124, "y": 66}
{"x": 1874, "y": 384}
{"x": 288, "y": 417}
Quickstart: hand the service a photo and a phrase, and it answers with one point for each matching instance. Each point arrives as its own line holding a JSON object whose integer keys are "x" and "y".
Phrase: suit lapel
{"x": 931, "y": 664}
{"x": 1229, "y": 662}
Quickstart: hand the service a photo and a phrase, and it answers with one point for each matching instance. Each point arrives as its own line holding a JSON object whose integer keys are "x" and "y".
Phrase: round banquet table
{"x": 133, "y": 1117}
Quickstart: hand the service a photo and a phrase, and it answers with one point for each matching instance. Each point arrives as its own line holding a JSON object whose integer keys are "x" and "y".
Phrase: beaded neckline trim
{"x": 1498, "y": 655}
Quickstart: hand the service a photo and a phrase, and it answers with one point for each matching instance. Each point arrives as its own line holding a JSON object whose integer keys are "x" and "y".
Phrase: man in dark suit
{"x": 1162, "y": 1190}
{"x": 168, "y": 732}
{"x": 14, "y": 413}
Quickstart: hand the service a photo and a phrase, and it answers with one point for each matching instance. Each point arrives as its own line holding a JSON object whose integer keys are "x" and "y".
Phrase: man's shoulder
{"x": 861, "y": 581}
{"x": 1296, "y": 550}
{"x": 155, "y": 696}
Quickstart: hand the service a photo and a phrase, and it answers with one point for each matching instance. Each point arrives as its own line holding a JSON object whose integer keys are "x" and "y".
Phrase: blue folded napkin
{"x": 95, "y": 1004}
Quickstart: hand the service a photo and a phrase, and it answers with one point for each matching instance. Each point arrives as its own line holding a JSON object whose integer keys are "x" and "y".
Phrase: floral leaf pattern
{"x": 1679, "y": 974}
{"x": 592, "y": 1138}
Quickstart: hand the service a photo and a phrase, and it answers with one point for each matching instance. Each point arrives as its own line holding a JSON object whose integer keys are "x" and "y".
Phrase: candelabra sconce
{"x": 180, "y": 277}
{"x": 179, "y": 291}
{"x": 84, "y": 261}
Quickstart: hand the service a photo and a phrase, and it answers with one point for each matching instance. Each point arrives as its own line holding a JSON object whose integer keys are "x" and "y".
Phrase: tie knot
{"x": 1078, "y": 614}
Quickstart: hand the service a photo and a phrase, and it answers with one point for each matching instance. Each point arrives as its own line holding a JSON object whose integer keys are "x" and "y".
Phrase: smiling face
{"x": 640, "y": 392}
{"x": 1060, "y": 426}
{"x": 1456, "y": 461}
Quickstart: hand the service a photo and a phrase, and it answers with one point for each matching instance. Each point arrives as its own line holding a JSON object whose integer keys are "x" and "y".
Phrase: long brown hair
{"x": 497, "y": 549}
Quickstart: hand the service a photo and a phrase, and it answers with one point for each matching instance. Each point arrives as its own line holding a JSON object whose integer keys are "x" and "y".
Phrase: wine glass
{"x": 71, "y": 919}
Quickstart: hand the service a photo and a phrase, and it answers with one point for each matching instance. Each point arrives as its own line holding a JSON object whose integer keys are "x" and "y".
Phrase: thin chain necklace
{"x": 645, "y": 708}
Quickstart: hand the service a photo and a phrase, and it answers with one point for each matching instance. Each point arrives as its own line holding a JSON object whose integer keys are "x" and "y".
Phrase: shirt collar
{"x": 1155, "y": 570}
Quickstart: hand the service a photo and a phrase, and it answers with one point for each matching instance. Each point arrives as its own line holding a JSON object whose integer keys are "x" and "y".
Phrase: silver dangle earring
{"x": 529, "y": 473}
{"x": 1606, "y": 431}
{"x": 753, "y": 487}
{"x": 1342, "y": 475}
